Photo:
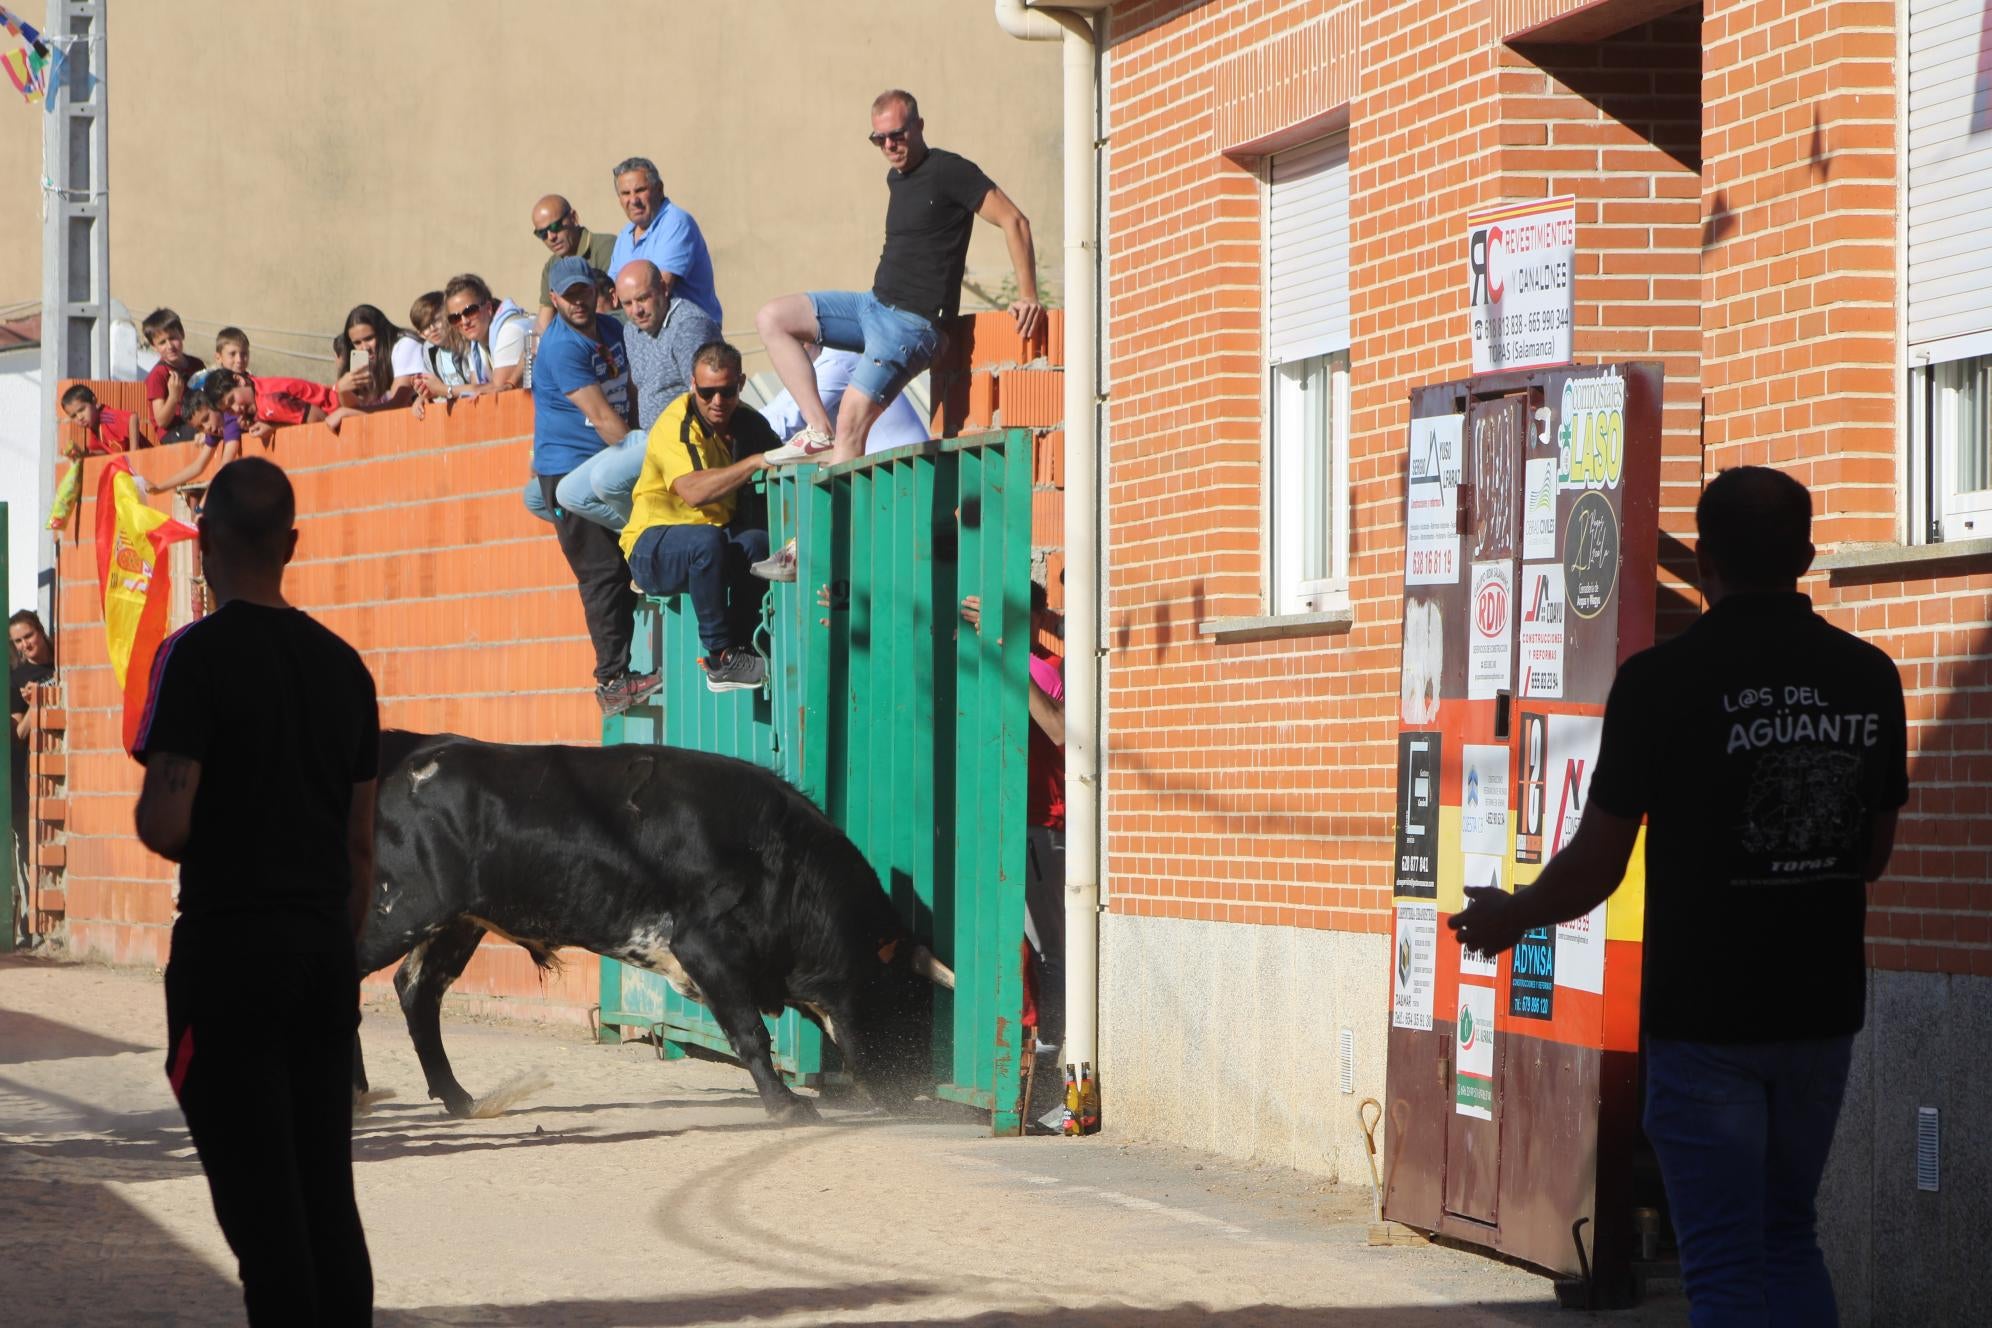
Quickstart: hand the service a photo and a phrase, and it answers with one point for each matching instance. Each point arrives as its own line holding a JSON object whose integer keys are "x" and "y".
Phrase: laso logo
{"x": 1468, "y": 1031}
{"x": 1490, "y": 607}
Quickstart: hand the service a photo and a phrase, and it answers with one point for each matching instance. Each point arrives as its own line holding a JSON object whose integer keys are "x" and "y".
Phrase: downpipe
{"x": 1080, "y": 1047}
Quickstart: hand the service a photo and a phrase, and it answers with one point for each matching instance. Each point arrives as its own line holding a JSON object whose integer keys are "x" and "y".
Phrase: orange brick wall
{"x": 413, "y": 546}
{"x": 1735, "y": 173}
{"x": 988, "y": 377}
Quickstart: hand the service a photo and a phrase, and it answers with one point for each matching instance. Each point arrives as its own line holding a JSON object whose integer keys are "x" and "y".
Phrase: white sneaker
{"x": 805, "y": 446}
{"x": 777, "y": 566}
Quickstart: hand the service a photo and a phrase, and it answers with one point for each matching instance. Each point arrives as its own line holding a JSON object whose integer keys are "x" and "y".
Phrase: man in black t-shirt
{"x": 1767, "y": 750}
{"x": 934, "y": 198}
{"x": 260, "y": 742}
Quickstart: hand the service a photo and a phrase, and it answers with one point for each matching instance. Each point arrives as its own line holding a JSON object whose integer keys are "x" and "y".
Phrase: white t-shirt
{"x": 898, "y": 425}
{"x": 407, "y": 359}
{"x": 509, "y": 329}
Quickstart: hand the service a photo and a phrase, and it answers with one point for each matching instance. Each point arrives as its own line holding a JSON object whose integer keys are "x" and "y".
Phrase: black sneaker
{"x": 735, "y": 670}
{"x": 619, "y": 695}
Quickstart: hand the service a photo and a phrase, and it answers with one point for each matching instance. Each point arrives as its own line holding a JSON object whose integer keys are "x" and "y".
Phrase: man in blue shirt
{"x": 582, "y": 403}
{"x": 664, "y": 233}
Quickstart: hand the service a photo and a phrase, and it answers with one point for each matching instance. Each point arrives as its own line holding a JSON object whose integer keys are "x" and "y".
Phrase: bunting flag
{"x": 132, "y": 568}
{"x": 27, "y": 66}
{"x": 37, "y": 69}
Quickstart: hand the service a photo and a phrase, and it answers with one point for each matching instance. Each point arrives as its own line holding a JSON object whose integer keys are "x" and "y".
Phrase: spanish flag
{"x": 132, "y": 539}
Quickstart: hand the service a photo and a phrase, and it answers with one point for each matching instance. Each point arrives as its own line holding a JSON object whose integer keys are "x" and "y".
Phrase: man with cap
{"x": 583, "y": 404}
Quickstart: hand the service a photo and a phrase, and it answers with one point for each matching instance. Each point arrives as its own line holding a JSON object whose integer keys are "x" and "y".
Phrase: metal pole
{"x": 76, "y": 239}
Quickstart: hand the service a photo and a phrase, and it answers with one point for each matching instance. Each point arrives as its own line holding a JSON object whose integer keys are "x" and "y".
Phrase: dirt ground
{"x": 631, "y": 1191}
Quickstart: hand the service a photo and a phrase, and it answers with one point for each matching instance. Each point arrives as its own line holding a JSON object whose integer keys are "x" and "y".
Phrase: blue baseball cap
{"x": 569, "y": 272}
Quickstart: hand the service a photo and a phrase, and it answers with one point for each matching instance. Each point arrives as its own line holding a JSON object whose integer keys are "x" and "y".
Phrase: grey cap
{"x": 570, "y": 272}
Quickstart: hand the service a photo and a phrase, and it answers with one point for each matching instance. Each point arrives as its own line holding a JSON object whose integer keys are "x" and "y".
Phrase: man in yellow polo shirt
{"x": 692, "y": 528}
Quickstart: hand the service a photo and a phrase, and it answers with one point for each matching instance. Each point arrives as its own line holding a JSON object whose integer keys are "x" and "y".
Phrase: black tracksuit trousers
{"x": 601, "y": 575}
{"x": 260, "y": 1055}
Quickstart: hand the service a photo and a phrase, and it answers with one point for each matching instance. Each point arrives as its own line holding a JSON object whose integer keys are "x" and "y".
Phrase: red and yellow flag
{"x": 132, "y": 539}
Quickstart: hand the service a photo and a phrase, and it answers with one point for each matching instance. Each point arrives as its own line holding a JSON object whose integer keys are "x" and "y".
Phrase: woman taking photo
{"x": 379, "y": 364}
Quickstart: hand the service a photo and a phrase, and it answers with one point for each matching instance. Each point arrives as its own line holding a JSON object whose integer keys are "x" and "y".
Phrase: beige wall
{"x": 328, "y": 154}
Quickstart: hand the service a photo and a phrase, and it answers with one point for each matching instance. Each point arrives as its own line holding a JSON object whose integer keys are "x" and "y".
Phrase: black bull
{"x": 709, "y": 871}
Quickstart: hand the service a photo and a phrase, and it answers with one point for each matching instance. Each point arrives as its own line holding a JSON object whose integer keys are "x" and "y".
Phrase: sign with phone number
{"x": 1520, "y": 260}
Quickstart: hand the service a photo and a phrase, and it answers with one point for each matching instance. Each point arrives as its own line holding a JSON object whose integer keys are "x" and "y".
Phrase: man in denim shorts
{"x": 935, "y": 195}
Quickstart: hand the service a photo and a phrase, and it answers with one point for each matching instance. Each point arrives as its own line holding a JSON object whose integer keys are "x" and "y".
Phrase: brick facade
{"x": 1736, "y": 212}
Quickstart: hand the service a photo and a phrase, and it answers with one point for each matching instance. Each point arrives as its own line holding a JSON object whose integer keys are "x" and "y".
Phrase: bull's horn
{"x": 932, "y": 969}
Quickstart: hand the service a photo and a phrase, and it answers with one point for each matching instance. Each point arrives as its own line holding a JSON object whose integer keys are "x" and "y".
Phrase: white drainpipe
{"x": 1082, "y": 518}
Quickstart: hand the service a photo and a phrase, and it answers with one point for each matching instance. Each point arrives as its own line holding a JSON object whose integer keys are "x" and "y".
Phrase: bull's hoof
{"x": 458, "y": 1103}
{"x": 795, "y": 1111}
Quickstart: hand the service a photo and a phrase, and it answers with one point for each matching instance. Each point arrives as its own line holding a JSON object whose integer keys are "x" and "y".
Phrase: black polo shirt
{"x": 1760, "y": 745}
{"x": 927, "y": 223}
{"x": 281, "y": 715}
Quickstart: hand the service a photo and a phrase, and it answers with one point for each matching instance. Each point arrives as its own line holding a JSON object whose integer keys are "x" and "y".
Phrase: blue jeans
{"x": 711, "y": 562}
{"x": 600, "y": 489}
{"x": 895, "y": 345}
{"x": 1742, "y": 1133}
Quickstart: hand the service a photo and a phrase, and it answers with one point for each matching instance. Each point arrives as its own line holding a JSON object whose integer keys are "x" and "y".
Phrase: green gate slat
{"x": 909, "y": 730}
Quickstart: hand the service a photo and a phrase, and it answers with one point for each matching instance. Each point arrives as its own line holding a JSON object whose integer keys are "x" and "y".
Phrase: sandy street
{"x": 637, "y": 1192}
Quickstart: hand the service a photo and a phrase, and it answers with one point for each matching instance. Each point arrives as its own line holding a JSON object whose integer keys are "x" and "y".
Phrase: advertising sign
{"x": 1431, "y": 519}
{"x": 1532, "y": 976}
{"x": 1541, "y": 646}
{"x": 1473, "y": 1053}
{"x": 1520, "y": 305}
{"x": 1490, "y": 652}
{"x": 1418, "y": 815}
{"x": 1413, "y": 977}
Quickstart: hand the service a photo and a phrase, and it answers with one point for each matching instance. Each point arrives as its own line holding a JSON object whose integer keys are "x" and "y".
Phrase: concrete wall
{"x": 273, "y": 165}
{"x": 1900, "y": 1255}
{"x": 1225, "y": 1038}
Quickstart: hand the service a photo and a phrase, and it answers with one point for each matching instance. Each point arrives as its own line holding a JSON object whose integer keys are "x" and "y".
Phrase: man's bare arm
{"x": 999, "y": 211}
{"x": 165, "y": 813}
{"x": 709, "y": 486}
{"x": 593, "y": 402}
{"x": 1576, "y": 881}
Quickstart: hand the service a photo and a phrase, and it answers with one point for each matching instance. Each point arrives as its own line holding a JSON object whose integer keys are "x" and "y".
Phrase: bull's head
{"x": 886, "y": 1030}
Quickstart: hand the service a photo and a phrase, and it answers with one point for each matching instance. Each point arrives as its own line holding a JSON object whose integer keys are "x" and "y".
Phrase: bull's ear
{"x": 887, "y": 949}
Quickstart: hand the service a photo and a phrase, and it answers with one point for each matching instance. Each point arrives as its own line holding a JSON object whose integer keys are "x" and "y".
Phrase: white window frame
{"x": 1941, "y": 509}
{"x": 1287, "y": 591}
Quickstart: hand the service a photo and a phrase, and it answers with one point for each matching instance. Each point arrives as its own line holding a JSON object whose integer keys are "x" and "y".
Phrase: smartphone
{"x": 360, "y": 359}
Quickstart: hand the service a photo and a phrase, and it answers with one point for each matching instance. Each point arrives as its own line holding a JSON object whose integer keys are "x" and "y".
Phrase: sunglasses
{"x": 552, "y": 228}
{"x": 725, "y": 392}
{"x": 465, "y": 312}
{"x": 891, "y": 137}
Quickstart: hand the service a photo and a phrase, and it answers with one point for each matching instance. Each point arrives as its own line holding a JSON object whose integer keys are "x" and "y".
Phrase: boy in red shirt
{"x": 106, "y": 429}
{"x": 274, "y": 401}
{"x": 166, "y": 385}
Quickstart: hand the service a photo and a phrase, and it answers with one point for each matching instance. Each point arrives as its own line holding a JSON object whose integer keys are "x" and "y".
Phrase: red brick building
{"x": 1776, "y": 203}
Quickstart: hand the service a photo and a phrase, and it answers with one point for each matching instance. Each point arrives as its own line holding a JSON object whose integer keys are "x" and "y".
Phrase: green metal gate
{"x": 905, "y": 725}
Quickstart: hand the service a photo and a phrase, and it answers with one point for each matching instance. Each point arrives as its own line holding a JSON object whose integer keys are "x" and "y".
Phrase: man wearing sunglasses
{"x": 934, "y": 197}
{"x": 558, "y": 226}
{"x": 582, "y": 407}
{"x": 697, "y": 522}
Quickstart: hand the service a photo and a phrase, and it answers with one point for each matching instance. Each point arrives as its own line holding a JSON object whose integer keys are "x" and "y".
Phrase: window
{"x": 1950, "y": 430}
{"x": 1949, "y": 279}
{"x": 1306, "y": 495}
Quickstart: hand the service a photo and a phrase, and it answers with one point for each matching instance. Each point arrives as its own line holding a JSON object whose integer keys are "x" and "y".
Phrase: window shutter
{"x": 1307, "y": 251}
{"x": 1950, "y": 178}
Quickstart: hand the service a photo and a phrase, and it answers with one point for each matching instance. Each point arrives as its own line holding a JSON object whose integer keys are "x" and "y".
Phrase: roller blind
{"x": 1307, "y": 250}
{"x": 1950, "y": 177}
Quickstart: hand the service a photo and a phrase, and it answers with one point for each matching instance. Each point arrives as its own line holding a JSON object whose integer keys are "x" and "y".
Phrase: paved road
{"x": 629, "y": 1191}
